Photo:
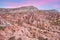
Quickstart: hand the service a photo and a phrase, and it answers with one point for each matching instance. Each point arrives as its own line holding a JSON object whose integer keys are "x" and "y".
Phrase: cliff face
{"x": 29, "y": 23}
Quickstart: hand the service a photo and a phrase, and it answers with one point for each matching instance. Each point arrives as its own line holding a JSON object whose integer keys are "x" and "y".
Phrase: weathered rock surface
{"x": 29, "y": 23}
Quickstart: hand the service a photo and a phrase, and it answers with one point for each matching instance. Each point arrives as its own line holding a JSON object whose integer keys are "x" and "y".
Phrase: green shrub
{"x": 1, "y": 28}
{"x": 56, "y": 22}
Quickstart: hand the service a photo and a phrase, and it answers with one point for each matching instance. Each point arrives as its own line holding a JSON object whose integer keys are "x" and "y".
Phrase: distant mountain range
{"x": 29, "y": 23}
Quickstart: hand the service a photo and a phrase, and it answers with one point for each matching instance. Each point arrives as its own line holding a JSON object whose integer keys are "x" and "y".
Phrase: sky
{"x": 40, "y": 4}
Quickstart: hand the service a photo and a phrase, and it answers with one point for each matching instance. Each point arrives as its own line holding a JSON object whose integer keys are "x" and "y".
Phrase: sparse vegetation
{"x": 56, "y": 22}
{"x": 41, "y": 38}
{"x": 12, "y": 38}
{"x": 1, "y": 28}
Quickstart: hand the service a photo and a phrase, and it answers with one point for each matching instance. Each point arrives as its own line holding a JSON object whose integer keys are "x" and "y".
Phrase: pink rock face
{"x": 29, "y": 23}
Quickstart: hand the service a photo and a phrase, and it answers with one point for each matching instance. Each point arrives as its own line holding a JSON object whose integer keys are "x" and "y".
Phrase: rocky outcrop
{"x": 29, "y": 24}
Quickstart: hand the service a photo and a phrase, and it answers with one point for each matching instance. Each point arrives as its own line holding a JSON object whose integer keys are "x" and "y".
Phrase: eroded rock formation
{"x": 29, "y": 23}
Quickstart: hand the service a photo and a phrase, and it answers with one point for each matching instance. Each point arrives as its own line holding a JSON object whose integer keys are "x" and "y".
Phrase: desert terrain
{"x": 29, "y": 23}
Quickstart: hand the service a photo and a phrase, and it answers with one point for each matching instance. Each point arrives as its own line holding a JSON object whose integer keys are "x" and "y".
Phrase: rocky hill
{"x": 29, "y": 23}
